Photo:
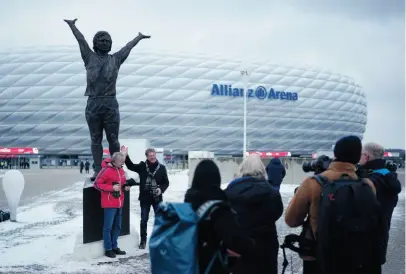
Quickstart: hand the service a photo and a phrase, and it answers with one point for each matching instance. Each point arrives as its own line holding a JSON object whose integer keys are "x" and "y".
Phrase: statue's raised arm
{"x": 123, "y": 53}
{"x": 85, "y": 50}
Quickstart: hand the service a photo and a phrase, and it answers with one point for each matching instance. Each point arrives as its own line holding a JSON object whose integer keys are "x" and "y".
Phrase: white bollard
{"x": 13, "y": 186}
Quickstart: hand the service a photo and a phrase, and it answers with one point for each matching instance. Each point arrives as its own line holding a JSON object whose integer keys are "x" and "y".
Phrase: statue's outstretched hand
{"x": 144, "y": 36}
{"x": 70, "y": 22}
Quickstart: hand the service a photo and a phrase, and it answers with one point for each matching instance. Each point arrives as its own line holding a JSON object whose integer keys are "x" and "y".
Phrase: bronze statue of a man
{"x": 102, "y": 110}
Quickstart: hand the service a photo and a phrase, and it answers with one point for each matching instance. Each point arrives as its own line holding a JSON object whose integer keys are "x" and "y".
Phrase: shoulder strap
{"x": 156, "y": 169}
{"x": 207, "y": 208}
{"x": 382, "y": 171}
{"x": 322, "y": 180}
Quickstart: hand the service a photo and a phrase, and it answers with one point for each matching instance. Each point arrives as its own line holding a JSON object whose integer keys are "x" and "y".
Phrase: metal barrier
{"x": 229, "y": 168}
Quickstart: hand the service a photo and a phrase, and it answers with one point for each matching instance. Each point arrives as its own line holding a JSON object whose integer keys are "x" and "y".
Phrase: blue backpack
{"x": 174, "y": 240}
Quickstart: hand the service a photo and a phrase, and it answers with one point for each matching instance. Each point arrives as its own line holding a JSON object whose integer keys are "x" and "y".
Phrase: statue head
{"x": 102, "y": 42}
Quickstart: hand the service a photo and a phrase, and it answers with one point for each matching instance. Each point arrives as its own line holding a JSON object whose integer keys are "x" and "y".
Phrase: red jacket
{"x": 104, "y": 183}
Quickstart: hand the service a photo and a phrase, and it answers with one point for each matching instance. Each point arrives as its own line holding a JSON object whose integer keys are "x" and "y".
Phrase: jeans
{"x": 145, "y": 208}
{"x": 111, "y": 227}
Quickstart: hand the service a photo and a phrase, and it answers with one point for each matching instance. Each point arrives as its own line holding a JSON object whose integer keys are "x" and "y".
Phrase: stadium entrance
{"x": 19, "y": 158}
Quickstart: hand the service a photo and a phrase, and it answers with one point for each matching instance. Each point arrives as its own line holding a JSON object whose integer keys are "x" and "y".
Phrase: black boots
{"x": 110, "y": 254}
{"x": 115, "y": 251}
{"x": 143, "y": 244}
{"x": 118, "y": 251}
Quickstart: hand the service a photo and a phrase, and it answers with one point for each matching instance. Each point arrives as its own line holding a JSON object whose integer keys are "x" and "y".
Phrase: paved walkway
{"x": 41, "y": 181}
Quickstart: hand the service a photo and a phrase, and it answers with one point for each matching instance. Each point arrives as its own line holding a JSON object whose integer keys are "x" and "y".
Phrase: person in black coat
{"x": 153, "y": 183}
{"x": 222, "y": 230}
{"x": 258, "y": 207}
{"x": 386, "y": 183}
{"x": 276, "y": 172}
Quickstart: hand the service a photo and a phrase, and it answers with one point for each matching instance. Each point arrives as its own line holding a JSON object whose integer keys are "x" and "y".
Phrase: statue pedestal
{"x": 89, "y": 243}
{"x": 94, "y": 250}
{"x": 93, "y": 214}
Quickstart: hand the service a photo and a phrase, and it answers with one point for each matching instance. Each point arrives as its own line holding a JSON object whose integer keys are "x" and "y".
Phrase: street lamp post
{"x": 244, "y": 75}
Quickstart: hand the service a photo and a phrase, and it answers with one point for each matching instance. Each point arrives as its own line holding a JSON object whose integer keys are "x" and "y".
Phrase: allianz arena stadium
{"x": 178, "y": 102}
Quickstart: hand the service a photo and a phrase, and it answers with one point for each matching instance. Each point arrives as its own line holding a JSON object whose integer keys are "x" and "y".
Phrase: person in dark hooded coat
{"x": 276, "y": 172}
{"x": 258, "y": 206}
{"x": 387, "y": 184}
{"x": 222, "y": 230}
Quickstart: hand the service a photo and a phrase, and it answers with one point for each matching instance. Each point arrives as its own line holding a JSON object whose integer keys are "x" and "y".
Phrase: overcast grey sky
{"x": 364, "y": 39}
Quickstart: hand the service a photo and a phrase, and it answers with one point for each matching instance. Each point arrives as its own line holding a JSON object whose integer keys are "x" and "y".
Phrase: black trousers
{"x": 102, "y": 113}
{"x": 146, "y": 204}
{"x": 311, "y": 267}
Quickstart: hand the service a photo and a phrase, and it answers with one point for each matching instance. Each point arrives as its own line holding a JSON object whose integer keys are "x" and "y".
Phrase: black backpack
{"x": 349, "y": 225}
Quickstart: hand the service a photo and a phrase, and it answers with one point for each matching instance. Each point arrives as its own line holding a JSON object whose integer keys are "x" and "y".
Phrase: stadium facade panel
{"x": 179, "y": 102}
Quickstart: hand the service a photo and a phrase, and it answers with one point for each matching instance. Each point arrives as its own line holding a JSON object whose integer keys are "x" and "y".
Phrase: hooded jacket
{"x": 388, "y": 188}
{"x": 276, "y": 172}
{"x": 104, "y": 183}
{"x": 258, "y": 206}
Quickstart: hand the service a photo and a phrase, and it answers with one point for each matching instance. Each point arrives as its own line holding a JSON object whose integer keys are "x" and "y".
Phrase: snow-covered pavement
{"x": 43, "y": 239}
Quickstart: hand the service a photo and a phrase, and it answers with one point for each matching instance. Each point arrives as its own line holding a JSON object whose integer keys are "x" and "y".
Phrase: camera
{"x": 391, "y": 166}
{"x": 116, "y": 194}
{"x": 318, "y": 165}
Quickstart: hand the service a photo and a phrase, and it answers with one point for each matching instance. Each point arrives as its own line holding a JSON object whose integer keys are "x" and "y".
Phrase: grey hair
{"x": 374, "y": 150}
{"x": 148, "y": 151}
{"x": 252, "y": 166}
{"x": 118, "y": 156}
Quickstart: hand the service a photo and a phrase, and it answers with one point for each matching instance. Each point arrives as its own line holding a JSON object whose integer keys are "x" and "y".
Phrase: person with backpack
{"x": 258, "y": 206}
{"x": 276, "y": 172}
{"x": 217, "y": 230}
{"x": 153, "y": 183}
{"x": 386, "y": 183}
{"x": 340, "y": 215}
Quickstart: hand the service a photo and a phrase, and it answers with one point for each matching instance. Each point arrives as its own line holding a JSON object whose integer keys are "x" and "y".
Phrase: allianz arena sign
{"x": 260, "y": 93}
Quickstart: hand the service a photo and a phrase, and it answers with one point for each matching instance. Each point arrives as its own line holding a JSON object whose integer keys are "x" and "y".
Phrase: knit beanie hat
{"x": 348, "y": 150}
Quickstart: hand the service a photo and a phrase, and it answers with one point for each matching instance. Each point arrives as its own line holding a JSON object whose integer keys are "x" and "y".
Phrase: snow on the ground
{"x": 42, "y": 241}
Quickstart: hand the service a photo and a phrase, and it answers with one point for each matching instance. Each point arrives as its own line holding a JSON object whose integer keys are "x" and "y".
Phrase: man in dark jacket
{"x": 386, "y": 183}
{"x": 276, "y": 172}
{"x": 87, "y": 165}
{"x": 303, "y": 209}
{"x": 153, "y": 183}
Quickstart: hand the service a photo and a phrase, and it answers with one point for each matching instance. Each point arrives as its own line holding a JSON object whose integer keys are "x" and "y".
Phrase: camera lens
{"x": 307, "y": 167}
